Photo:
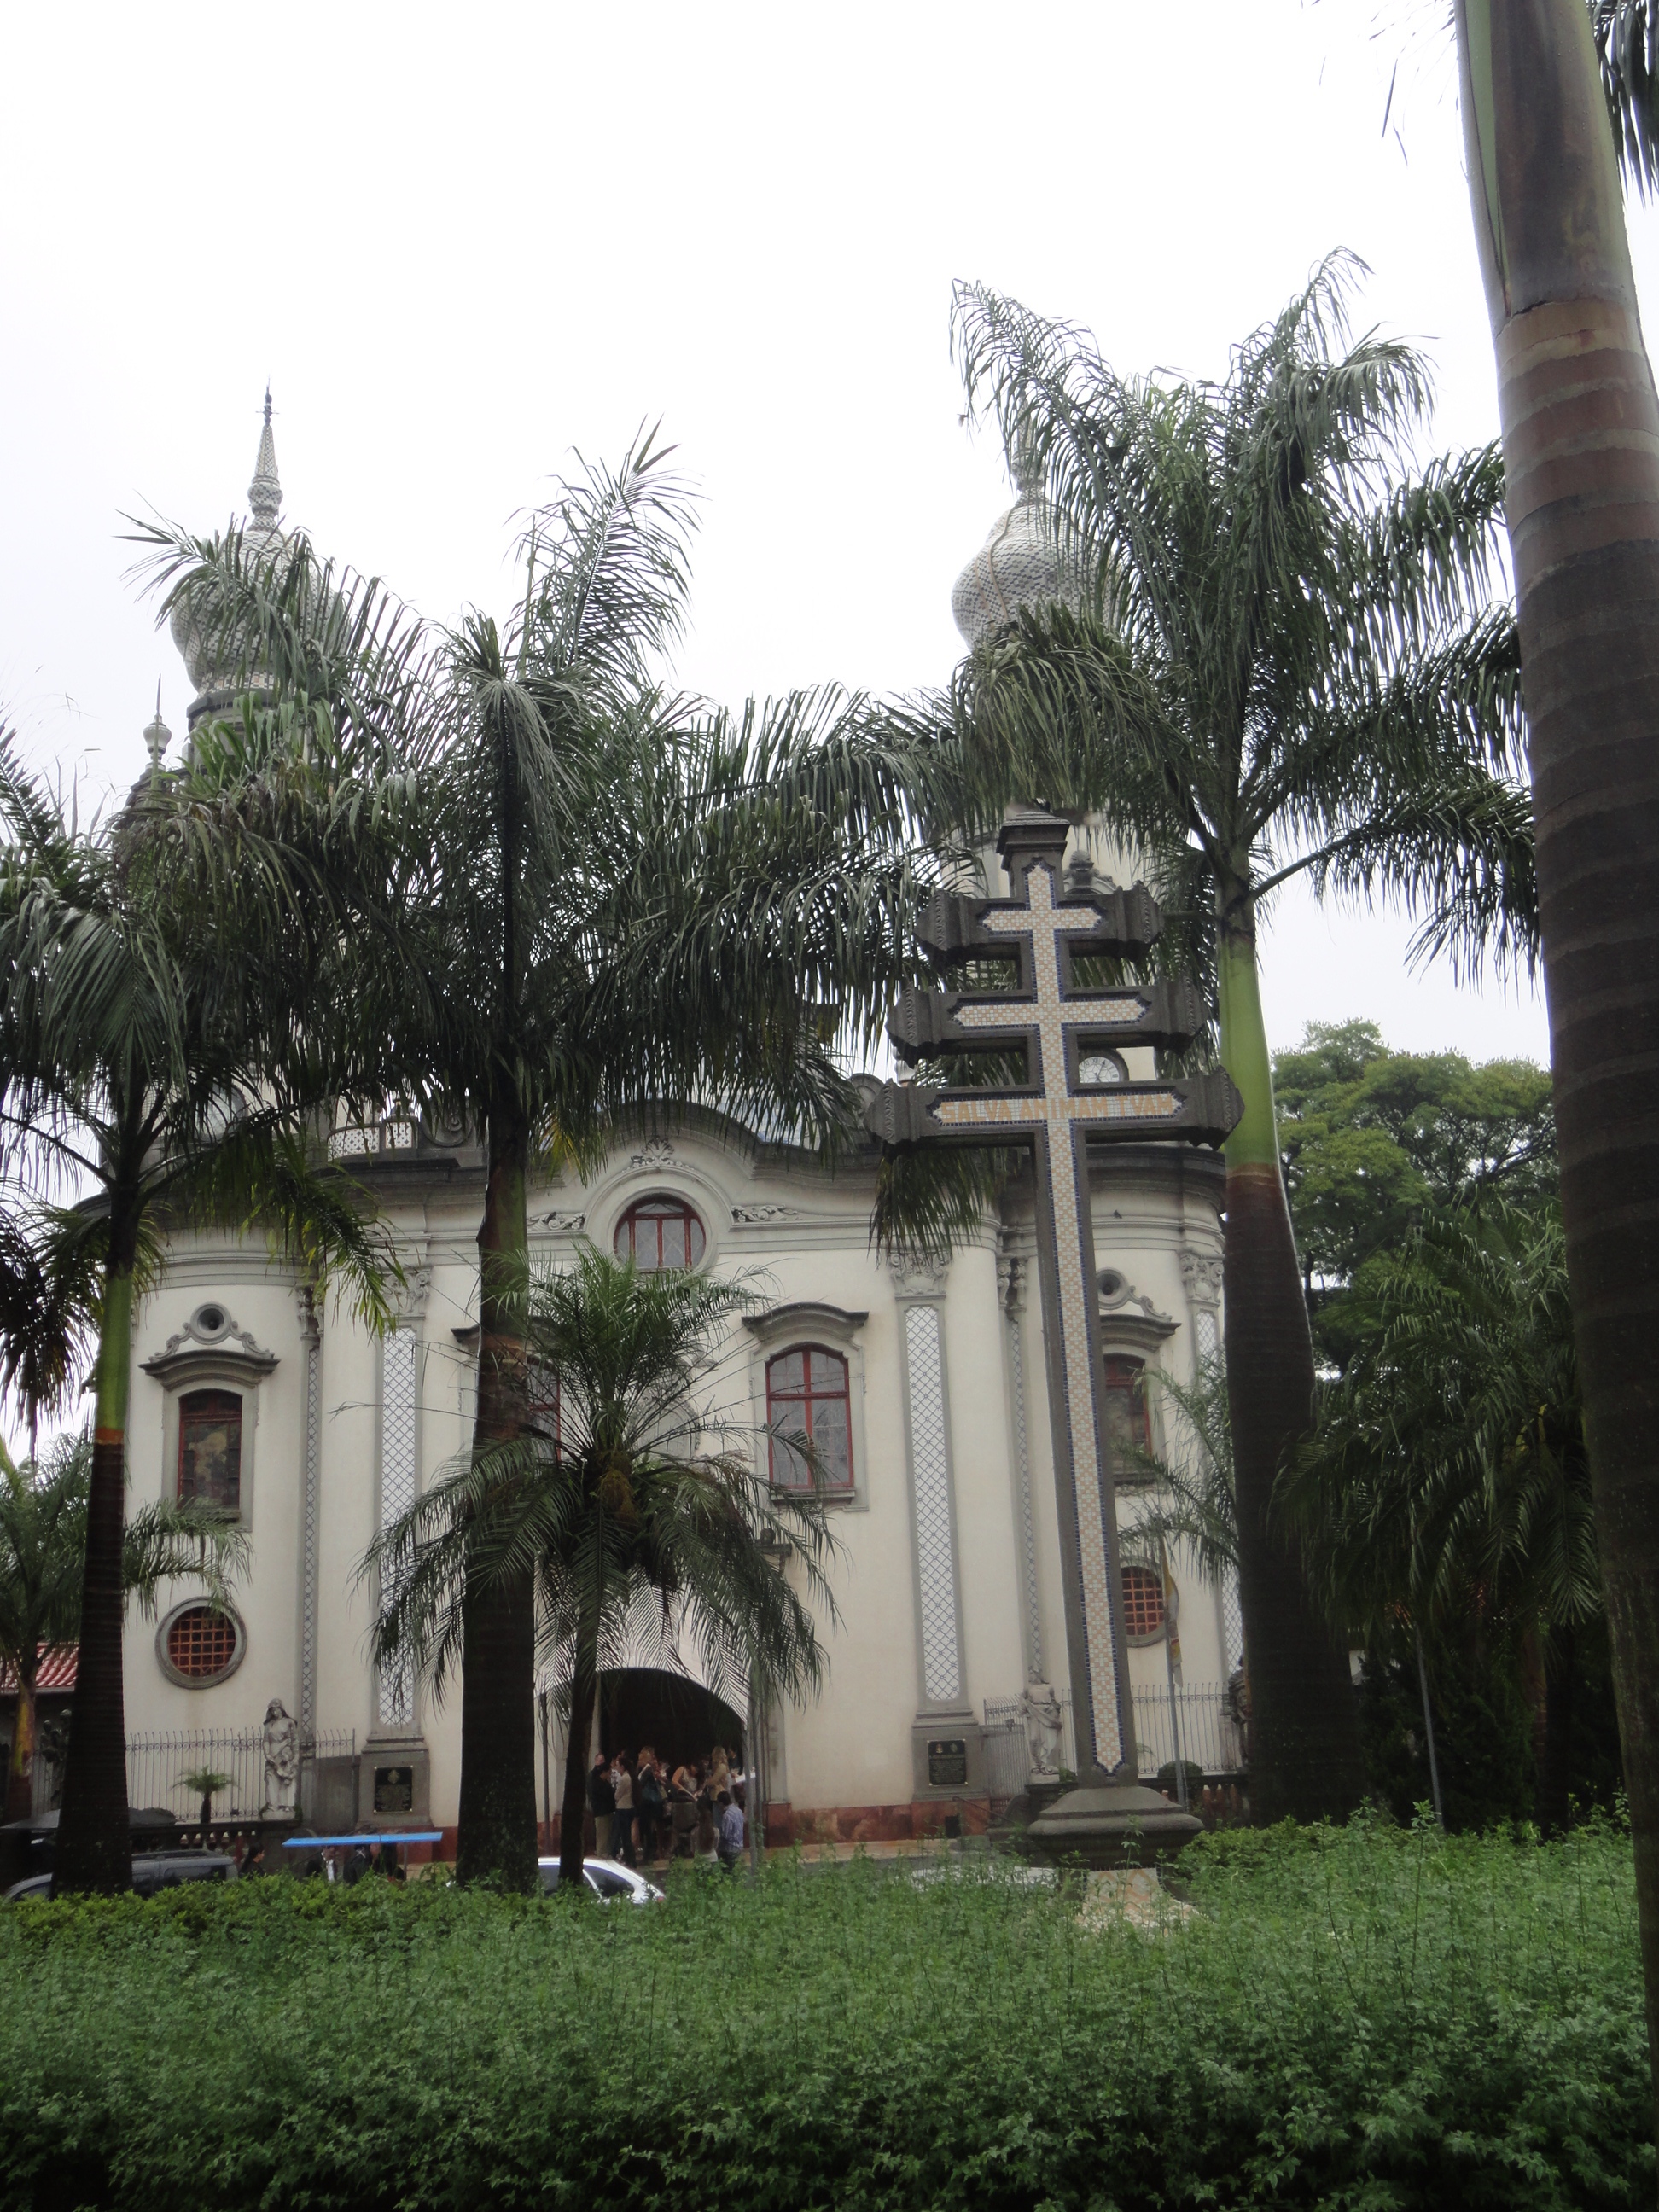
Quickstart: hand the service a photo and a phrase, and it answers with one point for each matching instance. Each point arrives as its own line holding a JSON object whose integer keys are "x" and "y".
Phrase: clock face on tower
{"x": 1099, "y": 1067}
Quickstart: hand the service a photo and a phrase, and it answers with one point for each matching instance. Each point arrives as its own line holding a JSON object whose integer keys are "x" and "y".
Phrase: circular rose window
{"x": 201, "y": 1645}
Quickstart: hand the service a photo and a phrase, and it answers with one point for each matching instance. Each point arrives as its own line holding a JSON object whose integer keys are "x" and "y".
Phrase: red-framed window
{"x": 210, "y": 1448}
{"x": 807, "y": 1394}
{"x": 201, "y": 1643}
{"x": 1128, "y": 1424}
{"x": 661, "y": 1232}
{"x": 1143, "y": 1601}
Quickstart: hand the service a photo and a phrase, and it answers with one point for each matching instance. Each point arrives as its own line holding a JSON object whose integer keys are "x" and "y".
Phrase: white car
{"x": 608, "y": 1879}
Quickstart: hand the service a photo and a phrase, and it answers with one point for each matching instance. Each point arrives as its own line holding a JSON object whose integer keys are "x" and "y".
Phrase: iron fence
{"x": 158, "y": 1763}
{"x": 1202, "y": 1717}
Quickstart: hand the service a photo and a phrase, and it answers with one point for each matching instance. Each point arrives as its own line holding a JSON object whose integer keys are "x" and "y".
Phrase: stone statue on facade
{"x": 282, "y": 1736}
{"x": 1040, "y": 1710}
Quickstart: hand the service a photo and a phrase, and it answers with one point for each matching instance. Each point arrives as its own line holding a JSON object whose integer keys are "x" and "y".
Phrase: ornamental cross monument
{"x": 1054, "y": 1081}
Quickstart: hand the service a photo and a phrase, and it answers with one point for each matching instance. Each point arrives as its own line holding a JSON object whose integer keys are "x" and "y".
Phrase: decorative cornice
{"x": 801, "y": 1317}
{"x": 209, "y": 1341}
{"x": 1144, "y": 1326}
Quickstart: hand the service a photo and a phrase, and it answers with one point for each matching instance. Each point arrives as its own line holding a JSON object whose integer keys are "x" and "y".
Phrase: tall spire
{"x": 265, "y": 494}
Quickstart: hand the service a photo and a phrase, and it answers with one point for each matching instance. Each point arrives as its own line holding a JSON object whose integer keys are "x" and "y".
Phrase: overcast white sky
{"x": 463, "y": 242}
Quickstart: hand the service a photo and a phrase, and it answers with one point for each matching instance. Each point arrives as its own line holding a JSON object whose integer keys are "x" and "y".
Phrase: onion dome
{"x": 1019, "y": 565}
{"x": 260, "y": 536}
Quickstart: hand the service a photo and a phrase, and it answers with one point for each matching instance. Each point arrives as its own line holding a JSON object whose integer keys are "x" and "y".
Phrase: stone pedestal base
{"x": 1113, "y": 1825}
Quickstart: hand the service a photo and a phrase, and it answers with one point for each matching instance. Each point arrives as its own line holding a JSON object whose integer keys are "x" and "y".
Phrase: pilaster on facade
{"x": 311, "y": 1488}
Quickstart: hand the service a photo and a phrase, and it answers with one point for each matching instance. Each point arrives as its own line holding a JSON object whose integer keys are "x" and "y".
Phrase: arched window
{"x": 1143, "y": 1601}
{"x": 211, "y": 1450}
{"x": 201, "y": 1643}
{"x": 659, "y": 1232}
{"x": 1128, "y": 1425}
{"x": 807, "y": 1395}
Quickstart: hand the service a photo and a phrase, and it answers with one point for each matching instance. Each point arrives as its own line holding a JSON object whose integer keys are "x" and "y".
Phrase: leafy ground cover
{"x": 1365, "y": 2018}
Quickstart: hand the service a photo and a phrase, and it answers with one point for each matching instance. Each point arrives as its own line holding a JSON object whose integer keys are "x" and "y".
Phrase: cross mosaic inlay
{"x": 1056, "y": 1028}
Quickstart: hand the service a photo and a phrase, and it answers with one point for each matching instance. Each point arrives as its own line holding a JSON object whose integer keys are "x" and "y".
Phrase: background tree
{"x": 1283, "y": 660}
{"x": 1581, "y": 446}
{"x": 150, "y": 1049}
{"x": 1374, "y": 1142}
{"x": 592, "y": 900}
{"x": 1447, "y": 1489}
{"x": 43, "y": 1548}
{"x": 631, "y": 1532}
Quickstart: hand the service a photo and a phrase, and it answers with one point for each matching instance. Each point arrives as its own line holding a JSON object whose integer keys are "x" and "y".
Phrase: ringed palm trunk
{"x": 572, "y": 1806}
{"x": 19, "y": 1773}
{"x": 497, "y": 1813}
{"x": 1304, "y": 1731}
{"x": 93, "y": 1849}
{"x": 1580, "y": 455}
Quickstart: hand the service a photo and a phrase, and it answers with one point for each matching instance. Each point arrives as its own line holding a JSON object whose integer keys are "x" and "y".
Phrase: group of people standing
{"x": 691, "y": 1810}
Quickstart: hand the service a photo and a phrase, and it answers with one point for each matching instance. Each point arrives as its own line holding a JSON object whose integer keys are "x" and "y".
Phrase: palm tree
{"x": 1449, "y": 1482}
{"x": 1581, "y": 445}
{"x": 1279, "y": 659}
{"x": 43, "y": 1549}
{"x": 48, "y": 1299}
{"x": 629, "y": 1529}
{"x": 590, "y": 897}
{"x": 1195, "y": 1504}
{"x": 148, "y": 1047}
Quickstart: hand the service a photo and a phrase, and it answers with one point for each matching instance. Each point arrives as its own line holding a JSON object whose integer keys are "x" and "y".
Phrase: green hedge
{"x": 1366, "y": 2017}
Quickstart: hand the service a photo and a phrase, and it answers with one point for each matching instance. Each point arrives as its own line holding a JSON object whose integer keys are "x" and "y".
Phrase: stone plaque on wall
{"x": 947, "y": 1762}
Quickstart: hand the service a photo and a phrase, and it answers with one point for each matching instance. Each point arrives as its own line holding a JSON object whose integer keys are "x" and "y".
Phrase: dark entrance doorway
{"x": 680, "y": 1719}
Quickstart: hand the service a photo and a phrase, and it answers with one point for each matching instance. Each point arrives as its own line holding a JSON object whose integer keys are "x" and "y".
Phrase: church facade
{"x": 923, "y": 1389}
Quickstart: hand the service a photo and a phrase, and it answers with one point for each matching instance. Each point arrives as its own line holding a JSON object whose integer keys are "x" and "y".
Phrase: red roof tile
{"x": 56, "y": 1670}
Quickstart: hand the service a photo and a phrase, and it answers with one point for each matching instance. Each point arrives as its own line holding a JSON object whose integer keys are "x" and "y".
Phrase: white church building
{"x": 924, "y": 1390}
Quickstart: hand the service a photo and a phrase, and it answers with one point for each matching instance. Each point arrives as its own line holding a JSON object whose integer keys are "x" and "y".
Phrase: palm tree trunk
{"x": 93, "y": 1849}
{"x": 1552, "y": 1788}
{"x": 497, "y": 1812}
{"x": 20, "y": 1774}
{"x": 583, "y": 1691}
{"x": 1304, "y": 1730}
{"x": 1581, "y": 452}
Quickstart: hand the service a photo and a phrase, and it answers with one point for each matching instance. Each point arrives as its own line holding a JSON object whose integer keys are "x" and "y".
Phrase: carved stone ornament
{"x": 918, "y": 1278}
{"x": 765, "y": 1213}
{"x": 210, "y": 1338}
{"x": 417, "y": 1290}
{"x": 1117, "y": 1292}
{"x": 656, "y": 1152}
{"x": 1012, "y": 1279}
{"x": 562, "y": 1225}
{"x": 1200, "y": 1273}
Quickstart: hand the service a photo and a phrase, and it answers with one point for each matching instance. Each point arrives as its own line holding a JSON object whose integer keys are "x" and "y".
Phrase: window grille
{"x": 1143, "y": 1601}
{"x": 201, "y": 1644}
